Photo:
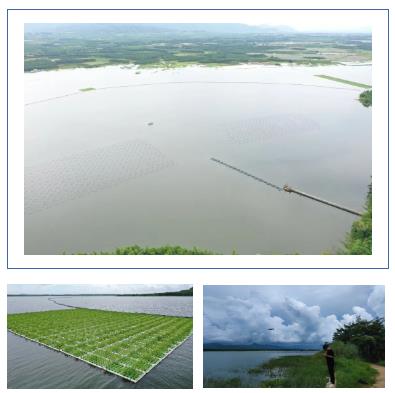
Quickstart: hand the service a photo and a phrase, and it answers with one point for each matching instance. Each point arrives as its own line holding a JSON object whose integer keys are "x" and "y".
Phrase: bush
{"x": 359, "y": 240}
{"x": 367, "y": 336}
{"x": 365, "y": 98}
{"x": 347, "y": 350}
{"x": 164, "y": 250}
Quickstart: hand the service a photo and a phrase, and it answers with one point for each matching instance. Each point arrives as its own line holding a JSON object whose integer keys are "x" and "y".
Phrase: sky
{"x": 55, "y": 289}
{"x": 315, "y": 21}
{"x": 297, "y": 314}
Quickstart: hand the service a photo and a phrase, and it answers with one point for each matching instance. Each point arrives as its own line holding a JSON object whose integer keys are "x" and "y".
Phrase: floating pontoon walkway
{"x": 287, "y": 188}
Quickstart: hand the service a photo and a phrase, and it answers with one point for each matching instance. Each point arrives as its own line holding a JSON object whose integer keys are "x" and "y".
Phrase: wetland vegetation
{"x": 345, "y": 81}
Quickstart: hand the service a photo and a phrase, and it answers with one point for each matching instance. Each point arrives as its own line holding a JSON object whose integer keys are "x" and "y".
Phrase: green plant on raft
{"x": 77, "y": 332}
{"x": 344, "y": 81}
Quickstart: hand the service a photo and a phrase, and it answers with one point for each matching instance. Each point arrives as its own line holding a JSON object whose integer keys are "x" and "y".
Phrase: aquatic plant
{"x": 127, "y": 344}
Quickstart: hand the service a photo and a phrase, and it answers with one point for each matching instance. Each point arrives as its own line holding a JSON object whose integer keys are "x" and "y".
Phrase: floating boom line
{"x": 268, "y": 183}
{"x": 288, "y": 189}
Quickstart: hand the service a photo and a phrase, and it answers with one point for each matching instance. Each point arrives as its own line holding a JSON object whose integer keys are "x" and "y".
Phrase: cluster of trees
{"x": 79, "y": 46}
{"x": 182, "y": 292}
{"x": 368, "y": 337}
{"x": 365, "y": 98}
{"x": 359, "y": 240}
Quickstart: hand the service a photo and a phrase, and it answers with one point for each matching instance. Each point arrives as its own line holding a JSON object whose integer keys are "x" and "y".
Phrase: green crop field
{"x": 125, "y": 344}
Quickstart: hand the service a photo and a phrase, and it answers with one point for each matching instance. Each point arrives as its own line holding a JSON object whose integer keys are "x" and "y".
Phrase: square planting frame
{"x": 125, "y": 344}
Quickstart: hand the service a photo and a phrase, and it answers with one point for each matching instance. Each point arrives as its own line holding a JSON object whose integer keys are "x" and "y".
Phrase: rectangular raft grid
{"x": 125, "y": 344}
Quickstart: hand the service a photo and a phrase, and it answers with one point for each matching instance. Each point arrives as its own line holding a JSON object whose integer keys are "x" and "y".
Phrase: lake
{"x": 130, "y": 162}
{"x": 235, "y": 364}
{"x": 31, "y": 366}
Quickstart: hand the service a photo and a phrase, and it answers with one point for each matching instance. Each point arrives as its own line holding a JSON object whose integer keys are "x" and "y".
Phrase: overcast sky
{"x": 55, "y": 289}
{"x": 319, "y": 21}
{"x": 298, "y": 314}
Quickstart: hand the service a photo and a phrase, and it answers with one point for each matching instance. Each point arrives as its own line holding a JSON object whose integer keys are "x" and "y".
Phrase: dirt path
{"x": 380, "y": 379}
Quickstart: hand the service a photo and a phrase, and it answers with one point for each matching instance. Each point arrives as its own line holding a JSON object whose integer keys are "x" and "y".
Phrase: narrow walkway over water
{"x": 287, "y": 188}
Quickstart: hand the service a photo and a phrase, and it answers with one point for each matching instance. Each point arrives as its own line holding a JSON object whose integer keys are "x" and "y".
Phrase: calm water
{"x": 129, "y": 163}
{"x": 235, "y": 364}
{"x": 32, "y": 366}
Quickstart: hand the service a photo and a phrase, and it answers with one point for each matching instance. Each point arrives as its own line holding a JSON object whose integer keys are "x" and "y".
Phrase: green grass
{"x": 87, "y": 89}
{"x": 345, "y": 81}
{"x": 222, "y": 383}
{"x": 311, "y": 372}
{"x": 126, "y": 344}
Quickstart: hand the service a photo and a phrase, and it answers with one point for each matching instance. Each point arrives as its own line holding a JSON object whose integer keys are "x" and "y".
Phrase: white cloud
{"x": 376, "y": 300}
{"x": 247, "y": 320}
{"x": 358, "y": 312}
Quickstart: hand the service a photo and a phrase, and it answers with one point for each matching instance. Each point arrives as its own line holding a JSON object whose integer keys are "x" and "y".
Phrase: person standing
{"x": 330, "y": 361}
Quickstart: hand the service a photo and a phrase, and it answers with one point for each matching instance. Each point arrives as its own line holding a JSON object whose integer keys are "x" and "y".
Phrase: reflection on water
{"x": 33, "y": 366}
{"x": 285, "y": 125}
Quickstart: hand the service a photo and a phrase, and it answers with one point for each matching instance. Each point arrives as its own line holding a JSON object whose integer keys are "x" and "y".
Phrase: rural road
{"x": 380, "y": 380}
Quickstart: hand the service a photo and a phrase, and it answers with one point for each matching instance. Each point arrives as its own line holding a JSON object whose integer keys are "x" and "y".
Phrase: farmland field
{"x": 125, "y": 344}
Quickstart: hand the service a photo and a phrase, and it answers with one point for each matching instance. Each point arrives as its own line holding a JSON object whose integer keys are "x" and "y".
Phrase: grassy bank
{"x": 222, "y": 383}
{"x": 359, "y": 240}
{"x": 344, "y": 81}
{"x": 311, "y": 372}
{"x": 164, "y": 250}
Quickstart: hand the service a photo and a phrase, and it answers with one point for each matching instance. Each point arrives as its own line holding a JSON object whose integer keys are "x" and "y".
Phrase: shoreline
{"x": 159, "y": 67}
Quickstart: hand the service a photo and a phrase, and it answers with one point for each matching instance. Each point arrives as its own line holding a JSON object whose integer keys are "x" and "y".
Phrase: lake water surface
{"x": 129, "y": 163}
{"x": 220, "y": 365}
{"x": 31, "y": 366}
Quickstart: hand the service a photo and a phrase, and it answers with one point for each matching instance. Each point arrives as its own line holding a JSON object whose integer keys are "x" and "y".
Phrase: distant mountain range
{"x": 183, "y": 292}
{"x": 263, "y": 347}
{"x": 213, "y": 28}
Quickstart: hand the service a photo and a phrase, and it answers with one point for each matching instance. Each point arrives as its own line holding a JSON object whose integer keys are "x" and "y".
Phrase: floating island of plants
{"x": 126, "y": 344}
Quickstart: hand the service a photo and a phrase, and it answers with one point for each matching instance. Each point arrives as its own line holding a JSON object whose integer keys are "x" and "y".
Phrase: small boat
{"x": 151, "y": 123}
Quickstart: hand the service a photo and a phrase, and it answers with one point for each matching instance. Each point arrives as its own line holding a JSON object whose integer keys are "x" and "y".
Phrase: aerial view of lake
{"x": 127, "y": 160}
{"x": 225, "y": 365}
{"x": 33, "y": 366}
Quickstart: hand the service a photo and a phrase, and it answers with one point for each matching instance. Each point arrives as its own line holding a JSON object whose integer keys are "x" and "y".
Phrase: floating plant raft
{"x": 125, "y": 344}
